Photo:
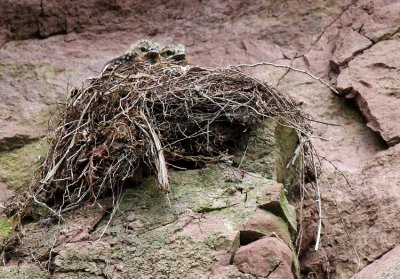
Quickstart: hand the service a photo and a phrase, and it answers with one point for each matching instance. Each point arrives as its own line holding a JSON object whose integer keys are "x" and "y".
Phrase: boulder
{"x": 265, "y": 258}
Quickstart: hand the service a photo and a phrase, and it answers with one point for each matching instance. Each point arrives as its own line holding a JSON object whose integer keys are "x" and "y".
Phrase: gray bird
{"x": 142, "y": 50}
{"x": 173, "y": 53}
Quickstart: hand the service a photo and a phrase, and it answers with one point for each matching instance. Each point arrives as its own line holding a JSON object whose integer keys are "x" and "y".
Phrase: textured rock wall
{"x": 354, "y": 44}
{"x": 206, "y": 228}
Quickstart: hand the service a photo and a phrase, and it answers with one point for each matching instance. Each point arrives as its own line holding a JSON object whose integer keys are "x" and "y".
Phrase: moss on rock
{"x": 5, "y": 227}
{"x": 26, "y": 271}
{"x": 286, "y": 143}
{"x": 17, "y": 166}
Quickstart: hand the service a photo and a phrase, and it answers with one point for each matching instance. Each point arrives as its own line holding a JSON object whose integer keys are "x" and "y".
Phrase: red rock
{"x": 20, "y": 18}
{"x": 384, "y": 20}
{"x": 225, "y": 272}
{"x": 264, "y": 223}
{"x": 360, "y": 224}
{"x": 387, "y": 267}
{"x": 37, "y": 73}
{"x": 267, "y": 257}
{"x": 372, "y": 78}
{"x": 348, "y": 44}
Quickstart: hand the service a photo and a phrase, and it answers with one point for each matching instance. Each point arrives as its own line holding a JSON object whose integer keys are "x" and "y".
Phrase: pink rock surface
{"x": 372, "y": 78}
{"x": 77, "y": 38}
{"x": 264, "y": 223}
{"x": 362, "y": 223}
{"x": 348, "y": 44}
{"x": 388, "y": 267}
{"x": 265, "y": 258}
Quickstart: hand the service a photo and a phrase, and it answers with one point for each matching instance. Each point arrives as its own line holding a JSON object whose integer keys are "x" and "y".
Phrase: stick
{"x": 291, "y": 68}
{"x": 54, "y": 169}
{"x": 318, "y": 193}
{"x": 160, "y": 162}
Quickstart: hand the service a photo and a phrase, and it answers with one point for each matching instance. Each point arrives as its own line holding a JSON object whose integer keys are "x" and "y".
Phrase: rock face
{"x": 387, "y": 267}
{"x": 372, "y": 79}
{"x": 353, "y": 43}
{"x": 196, "y": 232}
{"x": 265, "y": 258}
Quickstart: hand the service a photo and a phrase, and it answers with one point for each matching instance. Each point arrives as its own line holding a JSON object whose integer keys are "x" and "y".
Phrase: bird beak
{"x": 152, "y": 55}
{"x": 179, "y": 57}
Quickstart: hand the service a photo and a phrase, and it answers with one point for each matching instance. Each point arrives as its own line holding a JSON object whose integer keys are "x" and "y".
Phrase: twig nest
{"x": 134, "y": 120}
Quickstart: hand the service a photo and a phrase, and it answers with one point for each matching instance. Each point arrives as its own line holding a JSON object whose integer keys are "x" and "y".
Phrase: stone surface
{"x": 229, "y": 272}
{"x": 372, "y": 78}
{"x": 349, "y": 44}
{"x": 190, "y": 232}
{"x": 17, "y": 166}
{"x": 364, "y": 221}
{"x": 274, "y": 200}
{"x": 387, "y": 267}
{"x": 26, "y": 271}
{"x": 264, "y": 223}
{"x": 265, "y": 258}
{"x": 35, "y": 76}
{"x": 5, "y": 193}
{"x": 383, "y": 22}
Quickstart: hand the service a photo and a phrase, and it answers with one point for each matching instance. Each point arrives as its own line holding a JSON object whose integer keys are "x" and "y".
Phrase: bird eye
{"x": 143, "y": 49}
{"x": 168, "y": 52}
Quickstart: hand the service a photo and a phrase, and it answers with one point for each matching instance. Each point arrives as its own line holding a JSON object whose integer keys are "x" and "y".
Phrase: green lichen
{"x": 156, "y": 233}
{"x": 281, "y": 207}
{"x": 5, "y": 227}
{"x": 286, "y": 144}
{"x": 295, "y": 266}
{"x": 17, "y": 166}
{"x": 217, "y": 241}
{"x": 25, "y": 271}
{"x": 258, "y": 153}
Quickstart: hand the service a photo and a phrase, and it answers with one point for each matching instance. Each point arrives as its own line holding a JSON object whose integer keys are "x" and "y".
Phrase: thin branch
{"x": 291, "y": 68}
{"x": 318, "y": 193}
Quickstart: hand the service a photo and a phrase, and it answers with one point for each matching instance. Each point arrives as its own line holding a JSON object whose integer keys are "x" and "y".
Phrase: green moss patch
{"x": 17, "y": 166}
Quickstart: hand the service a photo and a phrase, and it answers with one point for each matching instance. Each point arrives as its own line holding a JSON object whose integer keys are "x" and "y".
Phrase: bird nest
{"x": 128, "y": 123}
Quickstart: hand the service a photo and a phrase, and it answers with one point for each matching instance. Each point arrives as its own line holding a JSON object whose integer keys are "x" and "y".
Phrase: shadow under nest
{"x": 136, "y": 120}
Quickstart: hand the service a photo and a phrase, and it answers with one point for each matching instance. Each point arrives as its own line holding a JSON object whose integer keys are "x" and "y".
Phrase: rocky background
{"x": 47, "y": 47}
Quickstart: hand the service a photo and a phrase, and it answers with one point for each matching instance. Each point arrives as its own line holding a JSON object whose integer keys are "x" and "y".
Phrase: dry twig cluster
{"x": 136, "y": 120}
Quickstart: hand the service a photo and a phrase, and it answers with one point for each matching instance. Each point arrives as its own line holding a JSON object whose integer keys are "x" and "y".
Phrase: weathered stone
{"x": 268, "y": 151}
{"x": 348, "y": 44}
{"x": 384, "y": 21}
{"x": 17, "y": 166}
{"x": 13, "y": 135}
{"x": 275, "y": 201}
{"x": 150, "y": 235}
{"x": 24, "y": 271}
{"x": 259, "y": 153}
{"x": 263, "y": 223}
{"x": 5, "y": 193}
{"x": 265, "y": 258}
{"x": 364, "y": 219}
{"x": 229, "y": 272}
{"x": 372, "y": 78}
{"x": 386, "y": 267}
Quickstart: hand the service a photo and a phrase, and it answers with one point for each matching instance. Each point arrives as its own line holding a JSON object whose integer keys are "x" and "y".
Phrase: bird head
{"x": 145, "y": 49}
{"x": 174, "y": 52}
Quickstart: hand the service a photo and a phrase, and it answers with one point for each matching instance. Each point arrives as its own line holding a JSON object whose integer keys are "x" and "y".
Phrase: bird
{"x": 142, "y": 50}
{"x": 174, "y": 53}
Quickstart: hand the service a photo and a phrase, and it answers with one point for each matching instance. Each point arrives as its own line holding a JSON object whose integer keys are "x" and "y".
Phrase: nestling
{"x": 140, "y": 51}
{"x": 174, "y": 53}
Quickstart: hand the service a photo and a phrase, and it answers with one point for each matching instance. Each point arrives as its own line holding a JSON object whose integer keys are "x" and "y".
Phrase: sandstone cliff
{"x": 214, "y": 230}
